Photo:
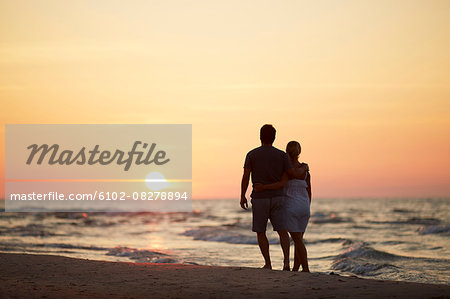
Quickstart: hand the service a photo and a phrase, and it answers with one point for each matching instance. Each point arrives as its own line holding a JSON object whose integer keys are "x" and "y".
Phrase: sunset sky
{"x": 363, "y": 85}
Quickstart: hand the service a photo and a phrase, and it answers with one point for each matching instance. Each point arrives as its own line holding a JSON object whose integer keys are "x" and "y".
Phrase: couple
{"x": 281, "y": 193}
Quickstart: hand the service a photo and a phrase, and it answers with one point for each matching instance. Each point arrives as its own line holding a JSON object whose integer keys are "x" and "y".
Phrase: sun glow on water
{"x": 156, "y": 181}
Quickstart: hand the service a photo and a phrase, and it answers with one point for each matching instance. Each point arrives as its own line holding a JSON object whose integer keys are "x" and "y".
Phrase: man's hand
{"x": 244, "y": 186}
{"x": 258, "y": 187}
{"x": 244, "y": 203}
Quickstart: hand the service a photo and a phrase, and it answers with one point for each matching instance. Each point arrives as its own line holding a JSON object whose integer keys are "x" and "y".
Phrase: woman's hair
{"x": 293, "y": 149}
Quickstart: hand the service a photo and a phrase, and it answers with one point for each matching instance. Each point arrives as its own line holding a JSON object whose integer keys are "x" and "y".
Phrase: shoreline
{"x": 29, "y": 275}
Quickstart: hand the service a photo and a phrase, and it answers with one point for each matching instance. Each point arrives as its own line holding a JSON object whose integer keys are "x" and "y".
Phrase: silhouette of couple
{"x": 282, "y": 193}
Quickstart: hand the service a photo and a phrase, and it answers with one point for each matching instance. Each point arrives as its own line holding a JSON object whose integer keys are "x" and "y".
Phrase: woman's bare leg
{"x": 295, "y": 238}
{"x": 301, "y": 255}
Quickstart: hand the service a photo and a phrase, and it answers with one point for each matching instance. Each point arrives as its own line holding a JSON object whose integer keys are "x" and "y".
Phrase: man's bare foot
{"x": 286, "y": 266}
{"x": 295, "y": 269}
{"x": 267, "y": 267}
{"x": 305, "y": 270}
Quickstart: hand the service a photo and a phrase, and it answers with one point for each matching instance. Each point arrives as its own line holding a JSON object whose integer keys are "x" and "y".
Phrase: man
{"x": 266, "y": 165}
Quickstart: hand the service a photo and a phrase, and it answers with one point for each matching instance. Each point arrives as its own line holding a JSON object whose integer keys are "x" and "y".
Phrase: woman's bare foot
{"x": 305, "y": 270}
{"x": 286, "y": 266}
{"x": 267, "y": 267}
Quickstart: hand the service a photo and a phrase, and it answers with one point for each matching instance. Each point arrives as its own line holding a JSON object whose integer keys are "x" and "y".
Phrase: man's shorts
{"x": 264, "y": 209}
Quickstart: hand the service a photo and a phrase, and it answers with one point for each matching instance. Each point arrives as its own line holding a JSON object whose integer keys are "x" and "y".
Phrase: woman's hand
{"x": 305, "y": 165}
{"x": 258, "y": 187}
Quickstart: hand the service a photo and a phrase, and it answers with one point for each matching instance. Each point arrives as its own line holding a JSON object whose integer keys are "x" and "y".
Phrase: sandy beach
{"x": 45, "y": 276}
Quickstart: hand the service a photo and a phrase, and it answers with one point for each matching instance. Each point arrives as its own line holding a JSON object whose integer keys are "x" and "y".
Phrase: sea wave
{"x": 399, "y": 210}
{"x": 223, "y": 234}
{"x": 412, "y": 220}
{"x": 367, "y": 269}
{"x": 362, "y": 250}
{"x": 142, "y": 255}
{"x": 362, "y": 259}
{"x": 234, "y": 234}
{"x": 329, "y": 240}
{"x": 29, "y": 230}
{"x": 434, "y": 229}
{"x": 13, "y": 245}
{"x": 322, "y": 218}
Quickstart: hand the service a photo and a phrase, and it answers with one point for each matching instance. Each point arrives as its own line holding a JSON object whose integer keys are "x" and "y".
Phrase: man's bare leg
{"x": 285, "y": 243}
{"x": 264, "y": 247}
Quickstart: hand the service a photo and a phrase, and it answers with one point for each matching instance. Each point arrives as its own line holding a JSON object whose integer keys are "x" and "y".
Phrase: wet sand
{"x": 46, "y": 276}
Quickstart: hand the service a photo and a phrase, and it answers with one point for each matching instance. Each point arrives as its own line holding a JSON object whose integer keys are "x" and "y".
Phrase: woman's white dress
{"x": 297, "y": 205}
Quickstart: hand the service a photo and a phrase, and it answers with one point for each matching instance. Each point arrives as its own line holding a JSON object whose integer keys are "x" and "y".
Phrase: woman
{"x": 297, "y": 205}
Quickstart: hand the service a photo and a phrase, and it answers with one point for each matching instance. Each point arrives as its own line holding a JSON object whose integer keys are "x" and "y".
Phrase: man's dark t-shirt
{"x": 267, "y": 165}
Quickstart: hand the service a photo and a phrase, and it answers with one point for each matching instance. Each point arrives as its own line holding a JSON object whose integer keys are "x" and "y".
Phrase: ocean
{"x": 393, "y": 239}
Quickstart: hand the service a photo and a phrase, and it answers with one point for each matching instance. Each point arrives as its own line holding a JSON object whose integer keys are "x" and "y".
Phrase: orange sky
{"x": 363, "y": 85}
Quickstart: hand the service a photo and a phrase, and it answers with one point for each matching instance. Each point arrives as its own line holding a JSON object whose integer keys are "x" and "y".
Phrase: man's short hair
{"x": 267, "y": 134}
